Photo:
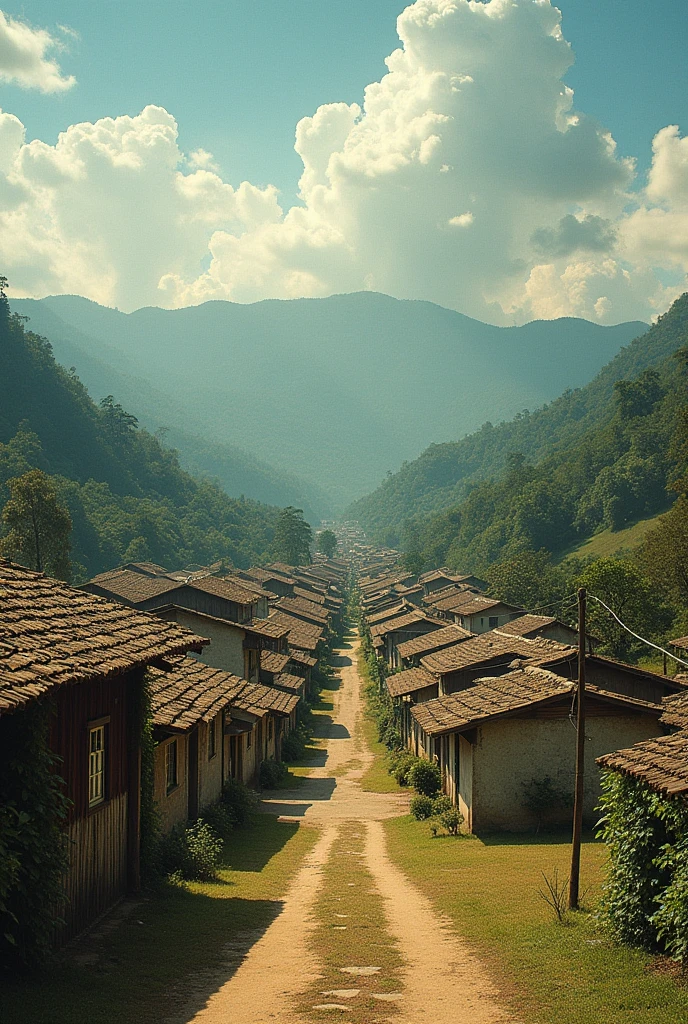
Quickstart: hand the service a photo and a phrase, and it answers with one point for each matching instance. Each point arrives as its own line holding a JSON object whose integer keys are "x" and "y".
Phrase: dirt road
{"x": 277, "y": 981}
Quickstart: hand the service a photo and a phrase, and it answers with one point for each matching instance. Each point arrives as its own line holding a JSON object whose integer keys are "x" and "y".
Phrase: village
{"x": 166, "y": 696}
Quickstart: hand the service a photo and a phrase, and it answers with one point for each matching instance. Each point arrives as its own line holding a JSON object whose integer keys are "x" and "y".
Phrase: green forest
{"x": 126, "y": 494}
{"x": 617, "y": 454}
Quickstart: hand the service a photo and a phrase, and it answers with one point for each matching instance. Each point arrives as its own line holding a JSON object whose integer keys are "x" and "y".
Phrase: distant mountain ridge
{"x": 445, "y": 474}
{"x": 333, "y": 391}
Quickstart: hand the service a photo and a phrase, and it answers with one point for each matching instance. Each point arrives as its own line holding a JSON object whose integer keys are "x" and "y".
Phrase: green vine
{"x": 150, "y": 816}
{"x": 33, "y": 840}
{"x": 645, "y": 896}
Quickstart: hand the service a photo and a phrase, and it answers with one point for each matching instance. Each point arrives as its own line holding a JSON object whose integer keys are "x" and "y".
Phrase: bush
{"x": 240, "y": 801}
{"x": 421, "y": 807}
{"x": 451, "y": 820}
{"x": 425, "y": 777}
{"x": 294, "y": 746}
{"x": 544, "y": 798}
{"x": 272, "y": 773}
{"x": 191, "y": 852}
{"x": 219, "y": 817}
{"x": 400, "y": 764}
{"x": 441, "y": 804}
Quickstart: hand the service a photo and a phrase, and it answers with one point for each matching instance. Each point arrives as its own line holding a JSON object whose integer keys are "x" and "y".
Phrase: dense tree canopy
{"x": 293, "y": 537}
{"x": 37, "y": 525}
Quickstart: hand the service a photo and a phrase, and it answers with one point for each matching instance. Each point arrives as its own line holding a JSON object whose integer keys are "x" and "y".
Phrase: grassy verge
{"x": 174, "y": 946}
{"x": 549, "y": 973}
{"x": 376, "y": 779}
{"x": 351, "y": 931}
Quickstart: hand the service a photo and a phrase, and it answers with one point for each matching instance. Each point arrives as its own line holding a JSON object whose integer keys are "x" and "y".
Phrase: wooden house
{"x": 402, "y": 627}
{"x": 86, "y": 657}
{"x": 500, "y": 734}
{"x": 411, "y": 651}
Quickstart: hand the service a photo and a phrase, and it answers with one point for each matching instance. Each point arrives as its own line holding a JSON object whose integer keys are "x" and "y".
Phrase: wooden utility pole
{"x": 574, "y": 878}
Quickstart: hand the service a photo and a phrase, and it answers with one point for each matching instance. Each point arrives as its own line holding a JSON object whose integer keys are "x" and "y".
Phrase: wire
{"x": 637, "y": 635}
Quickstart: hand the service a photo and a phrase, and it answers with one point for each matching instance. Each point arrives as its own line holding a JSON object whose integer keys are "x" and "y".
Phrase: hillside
{"x": 445, "y": 473}
{"x": 336, "y": 391}
{"x": 607, "y": 477}
{"x": 237, "y": 471}
{"x": 128, "y": 496}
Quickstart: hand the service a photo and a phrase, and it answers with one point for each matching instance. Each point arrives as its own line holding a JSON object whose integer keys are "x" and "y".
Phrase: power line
{"x": 637, "y": 635}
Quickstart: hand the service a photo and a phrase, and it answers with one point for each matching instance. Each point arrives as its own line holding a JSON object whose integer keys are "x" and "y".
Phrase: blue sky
{"x": 238, "y": 76}
{"x": 471, "y": 176}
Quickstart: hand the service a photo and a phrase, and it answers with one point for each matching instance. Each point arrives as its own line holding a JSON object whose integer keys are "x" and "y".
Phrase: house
{"x": 210, "y": 725}
{"x": 546, "y": 626}
{"x": 301, "y": 635}
{"x": 479, "y": 614}
{"x": 307, "y": 611}
{"x": 402, "y": 627}
{"x": 212, "y": 595}
{"x": 661, "y": 763}
{"x": 440, "y": 579}
{"x": 411, "y": 651}
{"x": 499, "y": 735}
{"x": 86, "y": 658}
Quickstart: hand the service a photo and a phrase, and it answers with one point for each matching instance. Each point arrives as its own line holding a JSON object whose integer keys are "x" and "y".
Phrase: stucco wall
{"x": 226, "y": 647}
{"x": 173, "y": 806}
{"x": 510, "y": 752}
{"x": 209, "y": 770}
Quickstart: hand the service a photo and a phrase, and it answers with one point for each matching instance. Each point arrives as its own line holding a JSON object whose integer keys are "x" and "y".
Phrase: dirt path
{"x": 442, "y": 980}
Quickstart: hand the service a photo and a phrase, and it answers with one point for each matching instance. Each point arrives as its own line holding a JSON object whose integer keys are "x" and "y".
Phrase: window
{"x": 212, "y": 739}
{"x": 493, "y": 621}
{"x": 171, "y": 765}
{"x": 96, "y": 765}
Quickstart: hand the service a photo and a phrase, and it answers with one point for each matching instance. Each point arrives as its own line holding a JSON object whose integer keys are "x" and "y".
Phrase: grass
{"x": 376, "y": 779}
{"x": 351, "y": 931}
{"x": 548, "y": 973}
{"x": 174, "y": 945}
{"x": 610, "y": 542}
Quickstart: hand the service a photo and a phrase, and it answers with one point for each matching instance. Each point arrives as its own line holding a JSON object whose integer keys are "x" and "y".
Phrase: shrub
{"x": 219, "y": 817}
{"x": 294, "y": 746}
{"x": 451, "y": 820}
{"x": 425, "y": 777}
{"x": 240, "y": 801}
{"x": 421, "y": 807}
{"x": 543, "y": 798}
{"x": 272, "y": 773}
{"x": 441, "y": 804}
{"x": 191, "y": 852}
{"x": 401, "y": 763}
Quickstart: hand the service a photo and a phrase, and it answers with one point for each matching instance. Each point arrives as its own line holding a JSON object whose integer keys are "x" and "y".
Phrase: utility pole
{"x": 574, "y": 878}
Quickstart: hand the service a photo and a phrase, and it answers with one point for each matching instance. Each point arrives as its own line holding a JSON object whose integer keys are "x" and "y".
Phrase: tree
{"x": 623, "y": 588}
{"x": 327, "y": 543}
{"x": 37, "y": 525}
{"x": 664, "y": 554}
{"x": 293, "y": 537}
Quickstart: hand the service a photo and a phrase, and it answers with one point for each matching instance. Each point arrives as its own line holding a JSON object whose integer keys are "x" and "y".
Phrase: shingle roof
{"x": 300, "y": 634}
{"x": 52, "y": 634}
{"x": 505, "y": 695}
{"x": 402, "y": 683}
{"x": 526, "y": 624}
{"x": 271, "y": 627}
{"x": 135, "y": 588}
{"x": 226, "y": 589}
{"x": 661, "y": 763}
{"x": 301, "y": 658}
{"x": 401, "y": 621}
{"x": 270, "y": 661}
{"x": 433, "y": 641}
{"x": 388, "y": 613}
{"x": 487, "y": 646}
{"x": 681, "y": 642}
{"x": 298, "y": 606}
{"x": 452, "y": 602}
{"x": 676, "y": 710}
{"x": 310, "y": 595}
{"x": 292, "y": 683}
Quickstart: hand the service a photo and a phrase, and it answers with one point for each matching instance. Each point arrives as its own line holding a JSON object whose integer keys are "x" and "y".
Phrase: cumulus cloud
{"x": 466, "y": 176}
{"x": 25, "y": 60}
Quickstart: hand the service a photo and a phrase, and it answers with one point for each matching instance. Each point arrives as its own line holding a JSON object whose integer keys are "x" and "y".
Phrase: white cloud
{"x": 465, "y": 177}
{"x": 24, "y": 56}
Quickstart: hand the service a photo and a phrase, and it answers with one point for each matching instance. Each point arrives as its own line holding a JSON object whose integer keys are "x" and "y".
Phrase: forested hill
{"x": 609, "y": 476}
{"x": 127, "y": 495}
{"x": 445, "y": 473}
{"x": 335, "y": 390}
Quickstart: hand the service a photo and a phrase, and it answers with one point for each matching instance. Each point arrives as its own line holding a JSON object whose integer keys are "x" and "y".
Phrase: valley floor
{"x": 338, "y": 905}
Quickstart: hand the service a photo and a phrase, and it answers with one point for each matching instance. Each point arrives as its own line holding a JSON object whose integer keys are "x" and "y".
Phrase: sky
{"x": 505, "y": 160}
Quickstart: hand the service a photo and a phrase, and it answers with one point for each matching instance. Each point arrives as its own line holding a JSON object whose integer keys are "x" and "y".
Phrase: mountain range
{"x": 313, "y": 401}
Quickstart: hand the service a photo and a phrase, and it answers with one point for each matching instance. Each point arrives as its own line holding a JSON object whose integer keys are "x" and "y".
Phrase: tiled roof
{"x": 270, "y": 661}
{"x": 292, "y": 683}
{"x": 401, "y": 621}
{"x": 433, "y": 641}
{"x": 225, "y": 589}
{"x": 298, "y": 606}
{"x": 388, "y": 613}
{"x": 457, "y": 599}
{"x": 482, "y": 604}
{"x": 487, "y": 646}
{"x": 190, "y": 692}
{"x": 52, "y": 634}
{"x": 135, "y": 588}
{"x": 676, "y": 710}
{"x": 526, "y": 624}
{"x": 661, "y": 763}
{"x": 309, "y": 595}
{"x": 271, "y": 627}
{"x": 301, "y": 658}
{"x": 506, "y": 695}
{"x": 409, "y": 681}
{"x": 681, "y": 642}
{"x": 300, "y": 634}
